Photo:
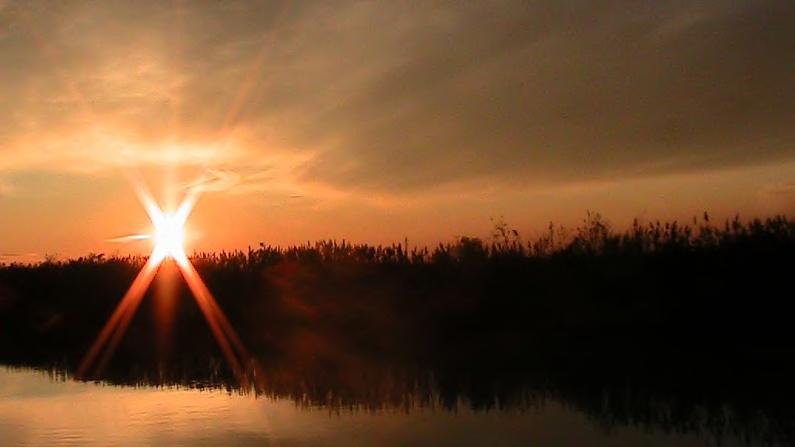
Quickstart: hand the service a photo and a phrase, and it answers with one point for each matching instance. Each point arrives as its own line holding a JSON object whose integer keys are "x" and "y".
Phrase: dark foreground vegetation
{"x": 680, "y": 327}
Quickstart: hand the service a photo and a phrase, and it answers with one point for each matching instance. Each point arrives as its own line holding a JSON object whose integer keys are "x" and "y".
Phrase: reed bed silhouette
{"x": 680, "y": 326}
{"x": 689, "y": 284}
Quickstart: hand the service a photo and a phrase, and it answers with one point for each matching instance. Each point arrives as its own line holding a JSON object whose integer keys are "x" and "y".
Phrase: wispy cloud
{"x": 129, "y": 238}
{"x": 214, "y": 180}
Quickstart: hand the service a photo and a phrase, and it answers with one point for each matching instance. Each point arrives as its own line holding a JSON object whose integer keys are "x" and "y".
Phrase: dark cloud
{"x": 401, "y": 96}
{"x": 566, "y": 92}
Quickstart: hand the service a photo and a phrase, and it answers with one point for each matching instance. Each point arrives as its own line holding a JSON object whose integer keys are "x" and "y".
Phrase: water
{"x": 42, "y": 409}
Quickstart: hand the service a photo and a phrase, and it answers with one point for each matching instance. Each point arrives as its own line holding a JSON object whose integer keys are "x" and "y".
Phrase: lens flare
{"x": 169, "y": 240}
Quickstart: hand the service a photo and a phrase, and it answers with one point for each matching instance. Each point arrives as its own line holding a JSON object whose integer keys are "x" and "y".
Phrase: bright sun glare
{"x": 170, "y": 236}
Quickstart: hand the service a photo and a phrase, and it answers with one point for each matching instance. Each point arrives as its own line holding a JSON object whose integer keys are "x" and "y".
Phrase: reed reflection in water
{"x": 41, "y": 409}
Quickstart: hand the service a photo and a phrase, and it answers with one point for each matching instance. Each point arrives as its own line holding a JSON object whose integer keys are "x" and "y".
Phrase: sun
{"x": 169, "y": 229}
{"x": 169, "y": 237}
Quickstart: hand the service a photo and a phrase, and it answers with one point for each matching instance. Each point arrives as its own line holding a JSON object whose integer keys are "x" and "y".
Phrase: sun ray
{"x": 253, "y": 75}
{"x": 148, "y": 202}
{"x": 201, "y": 291}
{"x": 128, "y": 303}
{"x": 203, "y": 299}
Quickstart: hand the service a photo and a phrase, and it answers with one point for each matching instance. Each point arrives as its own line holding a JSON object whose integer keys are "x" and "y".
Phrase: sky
{"x": 381, "y": 121}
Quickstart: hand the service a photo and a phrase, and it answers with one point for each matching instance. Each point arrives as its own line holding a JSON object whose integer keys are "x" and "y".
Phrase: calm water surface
{"x": 37, "y": 409}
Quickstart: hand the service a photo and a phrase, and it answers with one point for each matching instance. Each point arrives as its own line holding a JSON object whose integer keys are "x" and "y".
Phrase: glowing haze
{"x": 384, "y": 120}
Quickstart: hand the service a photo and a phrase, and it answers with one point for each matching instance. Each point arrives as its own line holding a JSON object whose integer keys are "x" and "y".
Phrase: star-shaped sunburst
{"x": 169, "y": 238}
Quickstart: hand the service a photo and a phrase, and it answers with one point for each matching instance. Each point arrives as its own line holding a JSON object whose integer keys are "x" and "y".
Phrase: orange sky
{"x": 379, "y": 122}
